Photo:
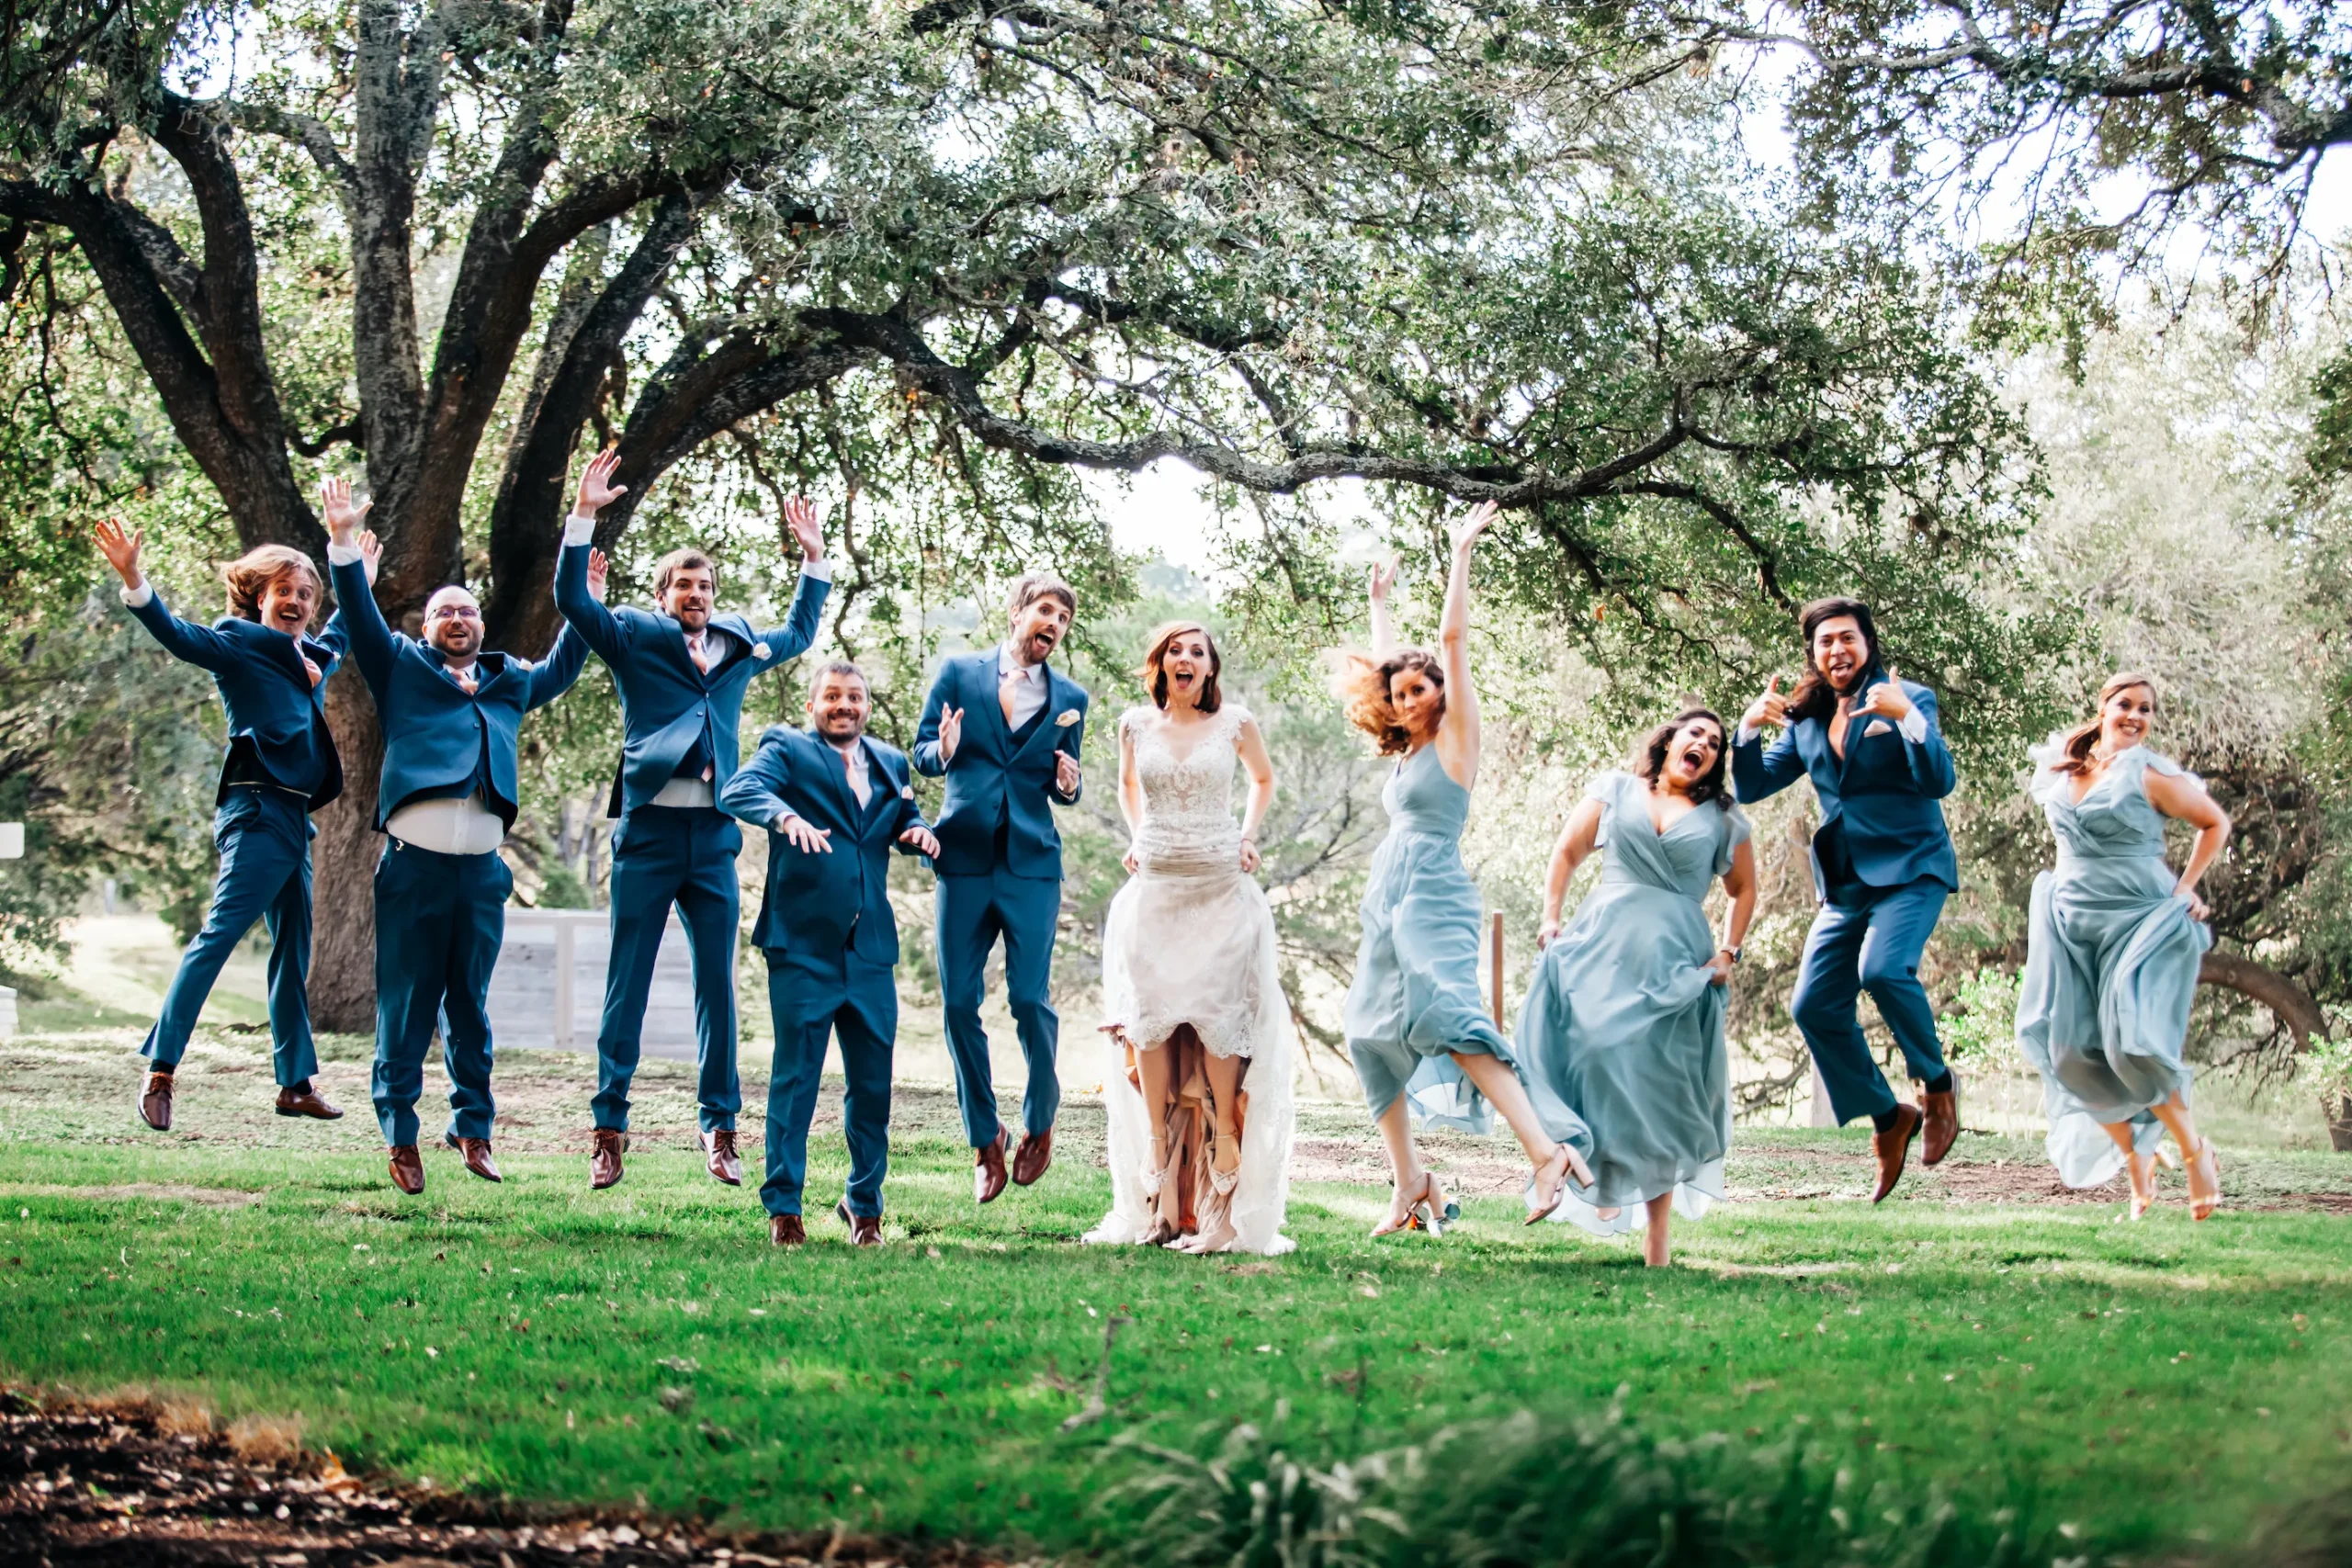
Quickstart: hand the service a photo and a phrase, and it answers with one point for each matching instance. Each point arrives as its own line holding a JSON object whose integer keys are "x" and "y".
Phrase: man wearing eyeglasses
{"x": 451, "y": 713}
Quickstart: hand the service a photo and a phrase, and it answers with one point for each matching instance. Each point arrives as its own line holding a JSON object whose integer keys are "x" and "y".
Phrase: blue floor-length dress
{"x": 2111, "y": 960}
{"x": 1622, "y": 1035}
{"x": 1415, "y": 998}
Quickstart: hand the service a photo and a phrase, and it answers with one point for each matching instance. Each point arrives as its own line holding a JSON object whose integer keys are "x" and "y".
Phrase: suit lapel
{"x": 986, "y": 673}
{"x": 884, "y": 789}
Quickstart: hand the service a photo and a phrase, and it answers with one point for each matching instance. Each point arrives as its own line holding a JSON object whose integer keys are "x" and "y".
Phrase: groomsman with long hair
{"x": 450, "y": 714}
{"x": 682, "y": 670}
{"x": 281, "y": 766}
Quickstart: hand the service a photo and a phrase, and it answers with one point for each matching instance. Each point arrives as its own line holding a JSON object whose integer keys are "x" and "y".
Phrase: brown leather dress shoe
{"x": 1942, "y": 1111}
{"x": 864, "y": 1230}
{"x": 1030, "y": 1160}
{"x": 1892, "y": 1147}
{"x": 987, "y": 1170}
{"x": 408, "y": 1170}
{"x": 605, "y": 1159}
{"x": 720, "y": 1158}
{"x": 156, "y": 1101}
{"x": 785, "y": 1230}
{"x": 306, "y": 1102}
{"x": 477, "y": 1153}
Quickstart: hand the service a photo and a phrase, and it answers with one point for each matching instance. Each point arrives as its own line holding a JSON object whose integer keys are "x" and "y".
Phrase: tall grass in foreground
{"x": 1589, "y": 1493}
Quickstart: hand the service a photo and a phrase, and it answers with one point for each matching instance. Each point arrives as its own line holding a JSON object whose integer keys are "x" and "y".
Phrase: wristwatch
{"x": 1732, "y": 950}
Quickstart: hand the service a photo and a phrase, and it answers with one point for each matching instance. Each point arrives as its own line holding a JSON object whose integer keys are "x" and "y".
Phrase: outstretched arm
{"x": 199, "y": 646}
{"x": 553, "y": 676}
{"x": 1384, "y": 625}
{"x": 583, "y": 609}
{"x": 1457, "y": 732}
{"x": 799, "y": 628}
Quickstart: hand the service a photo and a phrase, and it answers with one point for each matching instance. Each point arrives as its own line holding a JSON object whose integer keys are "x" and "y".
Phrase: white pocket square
{"x": 1068, "y": 718}
{"x": 1878, "y": 726}
{"x": 906, "y": 791}
{"x": 759, "y": 651}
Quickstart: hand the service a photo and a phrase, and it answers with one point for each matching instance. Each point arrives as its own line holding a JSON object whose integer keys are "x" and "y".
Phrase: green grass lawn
{"x": 2150, "y": 1384}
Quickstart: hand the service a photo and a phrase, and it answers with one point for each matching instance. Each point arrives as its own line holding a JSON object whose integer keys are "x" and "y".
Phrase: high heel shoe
{"x": 2202, "y": 1162}
{"x": 1215, "y": 1232}
{"x": 2142, "y": 1171}
{"x": 1155, "y": 1180}
{"x": 1415, "y": 1213}
{"x": 1547, "y": 1192}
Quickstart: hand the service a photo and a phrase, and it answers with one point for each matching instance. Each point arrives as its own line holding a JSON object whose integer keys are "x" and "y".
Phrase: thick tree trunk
{"x": 2338, "y": 1111}
{"x": 343, "y": 869}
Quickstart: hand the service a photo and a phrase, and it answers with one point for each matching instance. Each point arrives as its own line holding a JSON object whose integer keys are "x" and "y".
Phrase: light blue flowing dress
{"x": 1415, "y": 998}
{"x": 2111, "y": 969}
{"x": 1622, "y": 1035}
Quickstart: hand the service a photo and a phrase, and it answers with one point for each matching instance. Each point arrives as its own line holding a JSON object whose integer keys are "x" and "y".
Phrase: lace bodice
{"x": 1187, "y": 797}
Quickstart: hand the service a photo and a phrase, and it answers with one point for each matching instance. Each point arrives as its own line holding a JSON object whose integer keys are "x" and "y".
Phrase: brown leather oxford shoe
{"x": 987, "y": 1170}
{"x": 1030, "y": 1160}
{"x": 306, "y": 1101}
{"x": 156, "y": 1101}
{"x": 605, "y": 1159}
{"x": 477, "y": 1155}
{"x": 1892, "y": 1147}
{"x": 785, "y": 1230}
{"x": 720, "y": 1158}
{"x": 865, "y": 1230}
{"x": 1942, "y": 1113}
{"x": 407, "y": 1169}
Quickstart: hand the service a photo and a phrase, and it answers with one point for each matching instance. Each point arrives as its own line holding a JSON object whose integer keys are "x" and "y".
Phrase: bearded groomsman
{"x": 1883, "y": 866}
{"x": 833, "y": 800}
{"x": 681, "y": 674}
{"x": 448, "y": 792}
{"x": 1005, "y": 729}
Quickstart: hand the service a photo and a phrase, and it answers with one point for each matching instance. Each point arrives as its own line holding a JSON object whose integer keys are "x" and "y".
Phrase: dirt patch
{"x": 113, "y": 1487}
{"x": 127, "y": 1191}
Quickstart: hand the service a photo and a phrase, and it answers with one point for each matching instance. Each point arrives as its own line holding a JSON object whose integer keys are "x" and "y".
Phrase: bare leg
{"x": 2196, "y": 1156}
{"x": 1662, "y": 1209}
{"x": 1553, "y": 1161}
{"x": 2142, "y": 1167}
{"x": 1155, "y": 1064}
{"x": 1405, "y": 1167}
{"x": 1224, "y": 1074}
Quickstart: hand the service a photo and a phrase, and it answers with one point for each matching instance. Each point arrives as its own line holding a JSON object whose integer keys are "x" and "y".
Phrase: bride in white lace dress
{"x": 1199, "y": 1087}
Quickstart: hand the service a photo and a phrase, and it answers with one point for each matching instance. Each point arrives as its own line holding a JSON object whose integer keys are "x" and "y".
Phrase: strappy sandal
{"x": 1546, "y": 1191}
{"x": 2144, "y": 1192}
{"x": 1415, "y": 1215}
{"x": 2202, "y": 1162}
{"x": 1155, "y": 1180}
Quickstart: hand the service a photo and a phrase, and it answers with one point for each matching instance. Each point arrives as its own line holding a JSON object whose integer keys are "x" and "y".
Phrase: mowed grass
{"x": 2147, "y": 1384}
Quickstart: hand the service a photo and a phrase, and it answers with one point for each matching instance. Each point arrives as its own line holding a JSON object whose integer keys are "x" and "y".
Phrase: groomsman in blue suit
{"x": 281, "y": 766}
{"x": 681, "y": 671}
{"x": 446, "y": 797}
{"x": 1883, "y": 866}
{"x": 1005, "y": 729}
{"x": 833, "y": 800}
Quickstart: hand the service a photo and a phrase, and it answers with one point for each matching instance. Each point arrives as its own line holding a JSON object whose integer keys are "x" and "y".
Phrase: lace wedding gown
{"x": 1190, "y": 939}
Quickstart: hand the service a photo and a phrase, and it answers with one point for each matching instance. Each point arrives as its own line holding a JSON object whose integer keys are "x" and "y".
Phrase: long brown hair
{"x": 1814, "y": 696}
{"x": 248, "y": 576}
{"x": 1649, "y": 758}
{"x": 1362, "y": 684}
{"x": 2074, "y": 748}
{"x": 1155, "y": 679}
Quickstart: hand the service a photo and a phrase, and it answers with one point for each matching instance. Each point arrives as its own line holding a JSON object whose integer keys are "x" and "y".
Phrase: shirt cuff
{"x": 1914, "y": 726}
{"x": 578, "y": 530}
{"x": 818, "y": 568}
{"x": 341, "y": 555}
{"x": 1747, "y": 733}
{"x": 136, "y": 598}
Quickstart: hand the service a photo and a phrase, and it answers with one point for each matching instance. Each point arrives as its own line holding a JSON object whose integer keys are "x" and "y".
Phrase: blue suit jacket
{"x": 276, "y": 717}
{"x": 1884, "y": 792}
{"x": 822, "y": 903}
{"x": 666, "y": 703}
{"x": 993, "y": 783}
{"x": 435, "y": 730}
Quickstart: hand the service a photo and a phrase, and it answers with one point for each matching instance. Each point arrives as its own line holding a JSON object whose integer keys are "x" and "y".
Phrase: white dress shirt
{"x": 1030, "y": 692}
{"x": 1914, "y": 726}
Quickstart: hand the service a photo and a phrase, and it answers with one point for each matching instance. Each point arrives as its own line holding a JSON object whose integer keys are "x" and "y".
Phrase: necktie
{"x": 695, "y": 651}
{"x": 1005, "y": 690}
{"x": 464, "y": 678}
{"x": 311, "y": 669}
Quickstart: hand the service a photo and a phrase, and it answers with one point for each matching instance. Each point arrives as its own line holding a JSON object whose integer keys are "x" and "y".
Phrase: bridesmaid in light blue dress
{"x": 1416, "y": 1028}
{"x": 1623, "y": 1030}
{"x": 2113, "y": 950}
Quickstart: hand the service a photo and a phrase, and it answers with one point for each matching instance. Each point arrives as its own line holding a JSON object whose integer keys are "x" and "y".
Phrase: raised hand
{"x": 808, "y": 839}
{"x": 951, "y": 732}
{"x": 922, "y": 840}
{"x": 1887, "y": 701}
{"x": 342, "y": 517}
{"x": 800, "y": 517}
{"x": 1772, "y": 708}
{"x": 597, "y": 489}
{"x": 371, "y": 552}
{"x": 597, "y": 568}
{"x": 1066, "y": 772}
{"x": 120, "y": 546}
{"x": 1466, "y": 532}
{"x": 1384, "y": 578}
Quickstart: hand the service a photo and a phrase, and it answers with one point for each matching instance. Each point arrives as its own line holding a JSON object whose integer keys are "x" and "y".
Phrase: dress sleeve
{"x": 1606, "y": 788}
{"x": 2147, "y": 762}
{"x": 1734, "y": 831}
{"x": 2048, "y": 782}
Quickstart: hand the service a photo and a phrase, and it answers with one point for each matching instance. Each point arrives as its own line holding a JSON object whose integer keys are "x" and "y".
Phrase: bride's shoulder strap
{"x": 1236, "y": 715}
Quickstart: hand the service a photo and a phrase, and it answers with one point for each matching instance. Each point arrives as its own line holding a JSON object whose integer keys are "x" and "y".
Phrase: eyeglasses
{"x": 458, "y": 612}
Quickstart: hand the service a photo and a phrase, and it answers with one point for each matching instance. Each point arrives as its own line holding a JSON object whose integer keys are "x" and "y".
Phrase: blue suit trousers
{"x": 664, "y": 855}
{"x": 1868, "y": 939}
{"x": 974, "y": 911}
{"x": 439, "y": 920}
{"x": 264, "y": 837}
{"x": 813, "y": 997}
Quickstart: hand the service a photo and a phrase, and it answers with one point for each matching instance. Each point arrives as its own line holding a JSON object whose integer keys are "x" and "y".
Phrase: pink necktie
{"x": 695, "y": 651}
{"x": 465, "y": 679}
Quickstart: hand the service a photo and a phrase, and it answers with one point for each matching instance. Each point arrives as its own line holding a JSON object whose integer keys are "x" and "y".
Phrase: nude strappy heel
{"x": 2144, "y": 1182}
{"x": 2202, "y": 1162}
